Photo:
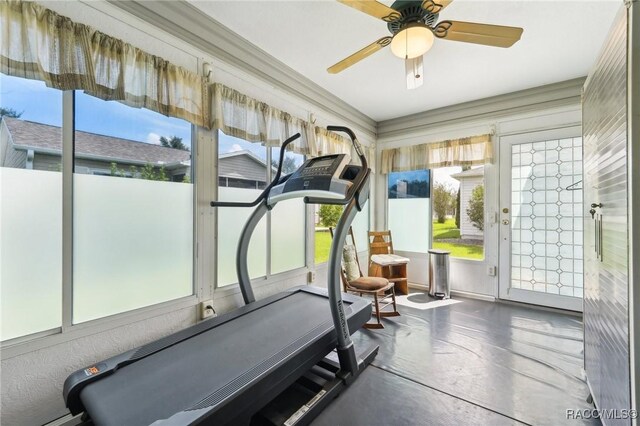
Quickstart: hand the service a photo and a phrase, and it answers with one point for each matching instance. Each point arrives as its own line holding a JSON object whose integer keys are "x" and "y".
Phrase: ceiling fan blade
{"x": 435, "y": 6}
{"x": 359, "y": 55}
{"x": 470, "y": 32}
{"x": 414, "y": 70}
{"x": 373, "y": 8}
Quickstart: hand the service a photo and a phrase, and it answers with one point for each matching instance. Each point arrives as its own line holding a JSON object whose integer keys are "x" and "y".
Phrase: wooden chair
{"x": 381, "y": 243}
{"x": 380, "y": 288}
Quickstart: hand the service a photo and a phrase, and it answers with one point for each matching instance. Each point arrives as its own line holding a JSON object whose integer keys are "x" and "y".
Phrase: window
{"x": 327, "y": 216}
{"x": 133, "y": 237}
{"x": 409, "y": 210}
{"x": 31, "y": 207}
{"x": 243, "y": 166}
{"x": 288, "y": 222}
{"x": 458, "y": 211}
{"x": 244, "y": 170}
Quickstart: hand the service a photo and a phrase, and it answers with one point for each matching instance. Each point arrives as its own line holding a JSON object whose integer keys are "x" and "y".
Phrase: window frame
{"x": 68, "y": 331}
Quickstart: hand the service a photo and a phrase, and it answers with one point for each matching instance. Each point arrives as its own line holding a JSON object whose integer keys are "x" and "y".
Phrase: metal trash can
{"x": 439, "y": 273}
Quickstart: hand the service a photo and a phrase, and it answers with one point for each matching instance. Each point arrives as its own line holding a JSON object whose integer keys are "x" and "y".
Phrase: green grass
{"x": 323, "y": 244}
{"x": 448, "y": 230}
{"x": 461, "y": 250}
{"x": 445, "y": 230}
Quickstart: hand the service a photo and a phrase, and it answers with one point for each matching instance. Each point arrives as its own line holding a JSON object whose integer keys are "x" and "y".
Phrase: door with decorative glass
{"x": 541, "y": 218}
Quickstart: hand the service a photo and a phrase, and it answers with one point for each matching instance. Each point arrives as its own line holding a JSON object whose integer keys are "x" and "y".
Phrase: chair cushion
{"x": 350, "y": 262}
{"x": 369, "y": 283}
{"x": 389, "y": 259}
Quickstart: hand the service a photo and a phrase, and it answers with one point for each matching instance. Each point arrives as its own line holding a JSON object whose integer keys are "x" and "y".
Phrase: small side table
{"x": 393, "y": 268}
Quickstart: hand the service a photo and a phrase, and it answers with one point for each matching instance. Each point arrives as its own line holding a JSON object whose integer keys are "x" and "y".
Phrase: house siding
{"x": 47, "y": 162}
{"x": 242, "y": 167}
{"x": 467, "y": 229}
{"x": 9, "y": 156}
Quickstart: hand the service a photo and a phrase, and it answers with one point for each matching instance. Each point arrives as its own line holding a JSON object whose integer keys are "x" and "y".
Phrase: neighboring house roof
{"x": 28, "y": 135}
{"x": 478, "y": 171}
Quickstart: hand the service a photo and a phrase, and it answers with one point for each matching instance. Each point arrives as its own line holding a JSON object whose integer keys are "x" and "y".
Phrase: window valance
{"x": 37, "y": 43}
{"x": 242, "y": 116}
{"x": 468, "y": 151}
{"x": 331, "y": 143}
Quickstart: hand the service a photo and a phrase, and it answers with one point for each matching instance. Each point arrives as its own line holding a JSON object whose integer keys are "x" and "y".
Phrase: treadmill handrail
{"x": 263, "y": 195}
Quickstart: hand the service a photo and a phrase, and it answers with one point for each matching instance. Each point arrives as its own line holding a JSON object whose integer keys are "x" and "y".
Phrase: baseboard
{"x": 541, "y": 307}
{"x": 476, "y": 296}
{"x": 466, "y": 294}
{"x": 68, "y": 420}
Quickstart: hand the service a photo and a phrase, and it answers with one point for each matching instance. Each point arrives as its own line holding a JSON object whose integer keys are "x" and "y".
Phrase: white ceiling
{"x": 561, "y": 40}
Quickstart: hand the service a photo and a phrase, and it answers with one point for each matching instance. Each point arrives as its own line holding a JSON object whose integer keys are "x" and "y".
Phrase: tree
{"x": 9, "y": 112}
{"x": 441, "y": 198}
{"x": 149, "y": 172}
{"x": 174, "y": 142}
{"x": 329, "y": 214}
{"x": 288, "y": 165}
{"x": 475, "y": 211}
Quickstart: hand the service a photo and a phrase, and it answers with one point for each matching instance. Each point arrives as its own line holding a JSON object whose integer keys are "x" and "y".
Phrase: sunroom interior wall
{"x": 34, "y": 396}
{"x": 470, "y": 276}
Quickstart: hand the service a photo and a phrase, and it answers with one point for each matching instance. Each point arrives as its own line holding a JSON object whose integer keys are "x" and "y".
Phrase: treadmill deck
{"x": 199, "y": 375}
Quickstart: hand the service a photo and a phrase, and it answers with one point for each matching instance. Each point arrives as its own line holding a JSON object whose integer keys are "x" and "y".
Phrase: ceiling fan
{"x": 413, "y": 30}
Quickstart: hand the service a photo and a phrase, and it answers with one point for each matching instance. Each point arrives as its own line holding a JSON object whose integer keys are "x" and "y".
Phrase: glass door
{"x": 541, "y": 218}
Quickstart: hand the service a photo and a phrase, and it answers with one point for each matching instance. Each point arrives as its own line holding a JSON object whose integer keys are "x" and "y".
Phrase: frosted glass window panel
{"x": 230, "y": 224}
{"x": 132, "y": 244}
{"x": 30, "y": 207}
{"x": 360, "y": 226}
{"x": 287, "y": 236}
{"x": 546, "y": 246}
{"x": 30, "y": 251}
{"x": 288, "y": 222}
{"x": 409, "y": 224}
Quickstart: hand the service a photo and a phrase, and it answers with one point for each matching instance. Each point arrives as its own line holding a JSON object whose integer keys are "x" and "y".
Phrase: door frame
{"x": 505, "y": 291}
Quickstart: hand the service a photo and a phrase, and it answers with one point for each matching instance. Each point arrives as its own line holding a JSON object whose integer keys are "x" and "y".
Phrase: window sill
{"x": 233, "y": 289}
{"x": 33, "y": 342}
{"x": 422, "y": 255}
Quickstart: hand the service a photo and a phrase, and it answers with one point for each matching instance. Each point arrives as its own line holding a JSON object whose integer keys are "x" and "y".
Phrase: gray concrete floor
{"x": 470, "y": 363}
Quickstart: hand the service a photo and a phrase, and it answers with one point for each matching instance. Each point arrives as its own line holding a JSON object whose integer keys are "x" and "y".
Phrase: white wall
{"x": 535, "y": 109}
{"x": 467, "y": 185}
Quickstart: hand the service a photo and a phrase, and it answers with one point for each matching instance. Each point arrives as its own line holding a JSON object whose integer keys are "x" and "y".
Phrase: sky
{"x": 41, "y": 104}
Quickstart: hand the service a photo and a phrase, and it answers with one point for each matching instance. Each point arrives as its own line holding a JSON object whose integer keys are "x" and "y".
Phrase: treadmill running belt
{"x": 181, "y": 376}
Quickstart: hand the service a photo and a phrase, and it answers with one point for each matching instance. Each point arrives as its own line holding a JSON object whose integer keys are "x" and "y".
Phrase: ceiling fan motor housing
{"x": 411, "y": 12}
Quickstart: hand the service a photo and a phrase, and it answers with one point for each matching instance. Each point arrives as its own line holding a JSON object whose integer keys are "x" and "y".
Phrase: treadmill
{"x": 228, "y": 369}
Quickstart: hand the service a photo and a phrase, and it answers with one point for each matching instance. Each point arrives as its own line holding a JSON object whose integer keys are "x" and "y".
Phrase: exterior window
{"x": 409, "y": 210}
{"x": 288, "y": 222}
{"x": 244, "y": 170}
{"x": 31, "y": 207}
{"x": 458, "y": 211}
{"x": 132, "y": 237}
{"x": 242, "y": 174}
{"x": 327, "y": 216}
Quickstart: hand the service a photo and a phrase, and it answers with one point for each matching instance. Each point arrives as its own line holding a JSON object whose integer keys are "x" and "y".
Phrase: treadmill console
{"x": 318, "y": 177}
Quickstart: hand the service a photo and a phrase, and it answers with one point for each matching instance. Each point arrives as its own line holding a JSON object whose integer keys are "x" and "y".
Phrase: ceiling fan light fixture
{"x": 412, "y": 41}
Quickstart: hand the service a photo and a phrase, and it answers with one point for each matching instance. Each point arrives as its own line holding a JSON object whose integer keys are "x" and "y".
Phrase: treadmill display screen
{"x": 323, "y": 163}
